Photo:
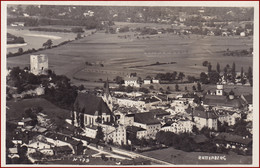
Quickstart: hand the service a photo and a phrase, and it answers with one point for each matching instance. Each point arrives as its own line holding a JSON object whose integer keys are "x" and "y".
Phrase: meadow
{"x": 120, "y": 55}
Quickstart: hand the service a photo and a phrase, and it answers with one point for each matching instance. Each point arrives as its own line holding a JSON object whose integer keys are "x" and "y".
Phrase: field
{"x": 15, "y": 110}
{"x": 120, "y": 52}
{"x": 180, "y": 157}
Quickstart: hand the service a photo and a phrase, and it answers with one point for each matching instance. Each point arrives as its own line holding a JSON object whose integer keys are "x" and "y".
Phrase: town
{"x": 116, "y": 123}
{"x": 129, "y": 110}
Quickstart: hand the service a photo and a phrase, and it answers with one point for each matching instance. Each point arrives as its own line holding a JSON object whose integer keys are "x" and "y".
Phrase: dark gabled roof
{"x": 159, "y": 112}
{"x": 214, "y": 100}
{"x": 63, "y": 138}
{"x": 91, "y": 104}
{"x": 62, "y": 149}
{"x": 134, "y": 129}
{"x": 233, "y": 138}
{"x": 146, "y": 118}
{"x": 202, "y": 113}
{"x": 249, "y": 98}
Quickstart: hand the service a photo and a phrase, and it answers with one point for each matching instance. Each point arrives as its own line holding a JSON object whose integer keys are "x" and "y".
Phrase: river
{"x": 35, "y": 39}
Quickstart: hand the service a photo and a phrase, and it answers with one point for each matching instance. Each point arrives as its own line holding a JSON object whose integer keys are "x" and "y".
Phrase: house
{"x": 62, "y": 150}
{"x": 149, "y": 122}
{"x": 147, "y": 81}
{"x": 62, "y": 140}
{"x": 156, "y": 81}
{"x": 124, "y": 117}
{"x": 131, "y": 102}
{"x": 242, "y": 34}
{"x": 90, "y": 131}
{"x": 14, "y": 24}
{"x": 26, "y": 122}
{"x": 13, "y": 153}
{"x": 249, "y": 101}
{"x": 230, "y": 117}
{"x": 180, "y": 105}
{"x": 90, "y": 109}
{"x": 131, "y": 81}
{"x": 135, "y": 132}
{"x": 233, "y": 141}
{"x": 114, "y": 133}
{"x": 177, "y": 127}
{"x": 37, "y": 145}
{"x": 204, "y": 118}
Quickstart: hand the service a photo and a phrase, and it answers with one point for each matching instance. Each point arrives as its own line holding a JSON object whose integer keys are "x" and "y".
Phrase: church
{"x": 90, "y": 109}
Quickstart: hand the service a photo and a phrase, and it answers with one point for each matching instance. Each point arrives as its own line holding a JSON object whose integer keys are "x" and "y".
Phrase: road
{"x": 136, "y": 155}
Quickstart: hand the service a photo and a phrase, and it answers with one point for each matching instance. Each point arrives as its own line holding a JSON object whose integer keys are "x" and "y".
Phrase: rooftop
{"x": 146, "y": 118}
{"x": 214, "y": 100}
{"x": 91, "y": 104}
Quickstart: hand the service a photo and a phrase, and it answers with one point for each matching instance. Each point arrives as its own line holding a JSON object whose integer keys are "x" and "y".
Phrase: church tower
{"x": 107, "y": 96}
{"x": 220, "y": 90}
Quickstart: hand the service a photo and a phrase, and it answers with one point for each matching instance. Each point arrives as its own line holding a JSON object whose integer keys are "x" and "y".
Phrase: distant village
{"x": 123, "y": 124}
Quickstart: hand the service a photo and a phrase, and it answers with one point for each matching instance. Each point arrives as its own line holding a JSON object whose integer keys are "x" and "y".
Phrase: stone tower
{"x": 39, "y": 64}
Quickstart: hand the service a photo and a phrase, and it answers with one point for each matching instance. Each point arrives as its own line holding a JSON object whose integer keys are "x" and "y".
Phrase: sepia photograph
{"x": 130, "y": 84}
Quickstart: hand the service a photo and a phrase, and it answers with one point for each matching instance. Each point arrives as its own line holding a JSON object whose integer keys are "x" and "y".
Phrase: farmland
{"x": 123, "y": 53}
{"x": 180, "y": 157}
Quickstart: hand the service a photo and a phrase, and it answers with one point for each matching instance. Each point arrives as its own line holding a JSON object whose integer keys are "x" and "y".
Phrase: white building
{"x": 147, "y": 81}
{"x": 203, "y": 118}
{"x": 116, "y": 134}
{"x": 181, "y": 126}
{"x": 149, "y": 122}
{"x": 156, "y": 81}
{"x": 229, "y": 117}
{"x": 131, "y": 81}
{"x": 39, "y": 64}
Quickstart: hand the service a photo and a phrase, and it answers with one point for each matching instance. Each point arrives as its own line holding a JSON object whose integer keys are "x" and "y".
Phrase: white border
{"x": 254, "y": 4}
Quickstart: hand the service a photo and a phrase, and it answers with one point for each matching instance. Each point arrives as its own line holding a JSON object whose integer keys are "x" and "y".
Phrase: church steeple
{"x": 107, "y": 97}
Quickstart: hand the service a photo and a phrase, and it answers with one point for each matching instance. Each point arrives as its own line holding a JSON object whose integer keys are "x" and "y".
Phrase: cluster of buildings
{"x": 144, "y": 115}
{"x": 38, "y": 140}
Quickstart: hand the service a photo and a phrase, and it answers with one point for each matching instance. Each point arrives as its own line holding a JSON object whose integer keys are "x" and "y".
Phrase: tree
{"x": 129, "y": 89}
{"x": 144, "y": 90}
{"x": 194, "y": 88}
{"x": 119, "y": 80}
{"x": 250, "y": 76}
{"x": 199, "y": 87}
{"x": 209, "y": 67}
{"x": 78, "y": 36}
{"x": 177, "y": 87}
{"x": 181, "y": 76}
{"x": 205, "y": 63}
{"x": 204, "y": 78}
{"x": 218, "y": 68}
{"x": 161, "y": 89}
{"x": 48, "y": 44}
{"x": 214, "y": 77}
{"x": 151, "y": 87}
{"x": 100, "y": 135}
{"x": 233, "y": 72}
{"x": 225, "y": 74}
{"x": 20, "y": 50}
